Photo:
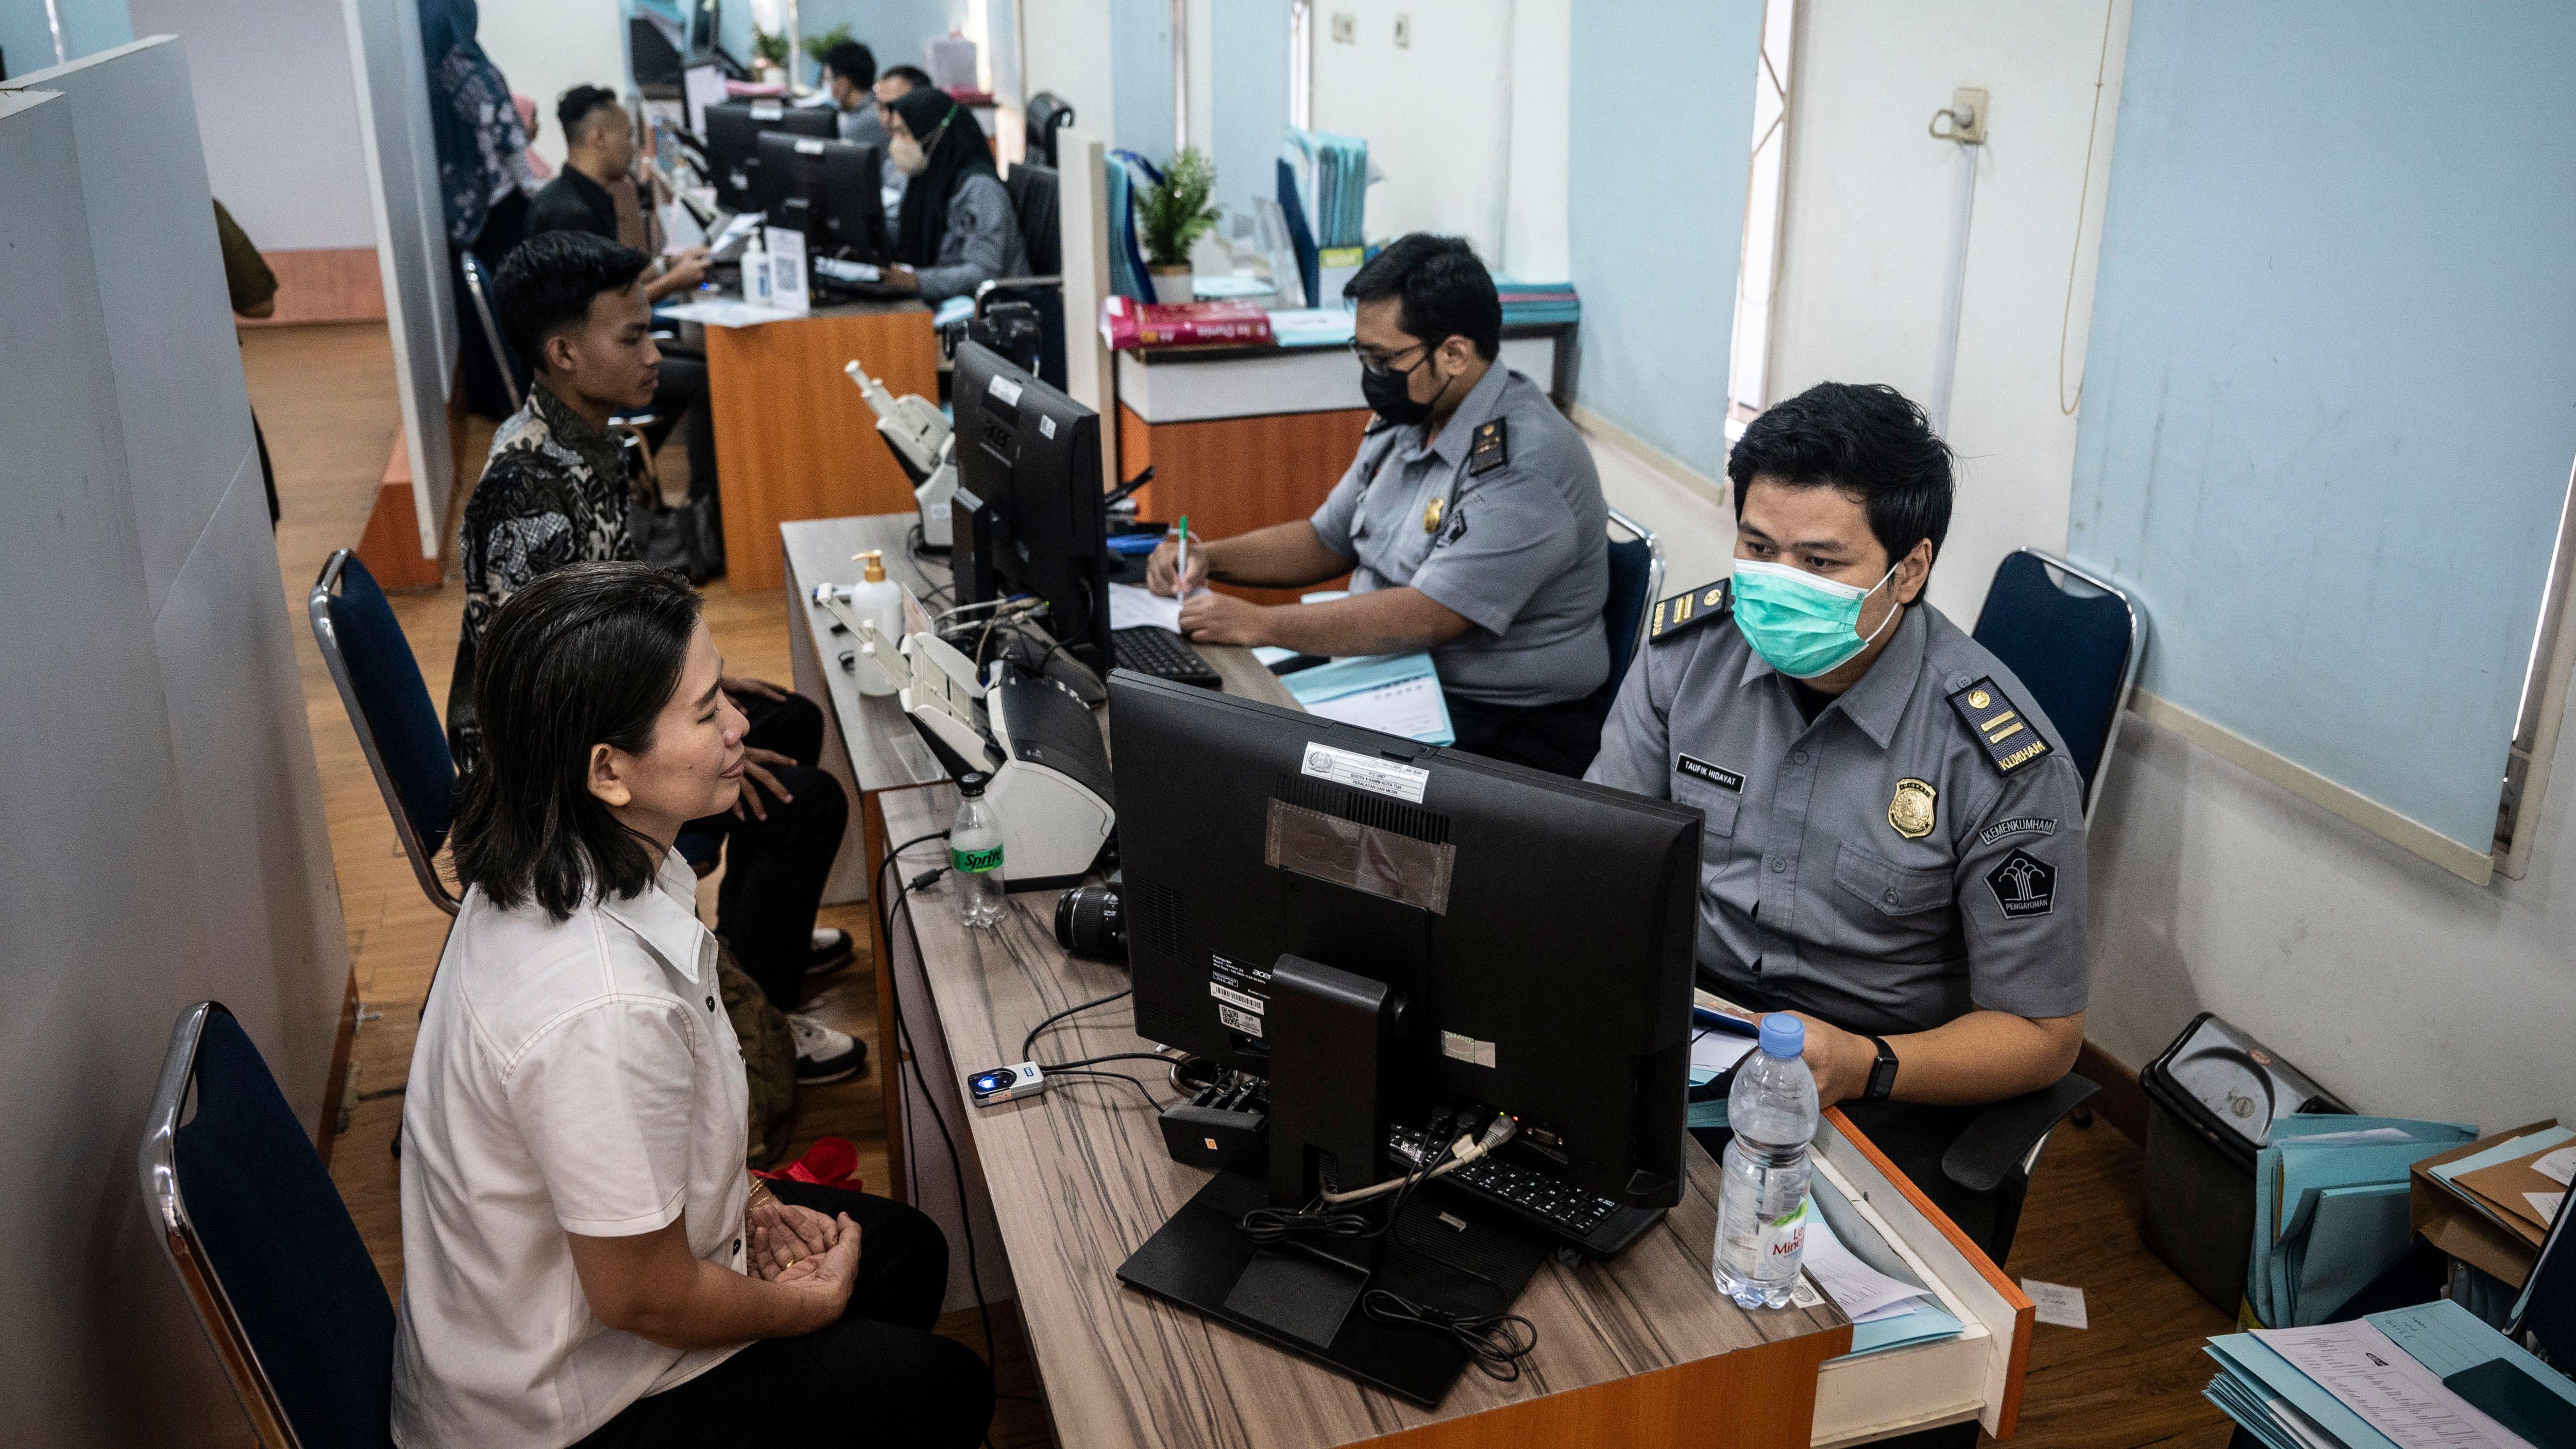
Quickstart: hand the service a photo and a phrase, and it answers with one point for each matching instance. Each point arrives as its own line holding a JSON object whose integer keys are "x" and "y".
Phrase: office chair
{"x": 478, "y": 285}
{"x": 1048, "y": 113}
{"x": 1636, "y": 579}
{"x": 389, "y": 705}
{"x": 2077, "y": 652}
{"x": 262, "y": 1242}
{"x": 1037, "y": 202}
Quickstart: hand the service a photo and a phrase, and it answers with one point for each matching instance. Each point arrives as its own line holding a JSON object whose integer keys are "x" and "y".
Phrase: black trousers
{"x": 680, "y": 401}
{"x": 1558, "y": 738}
{"x": 877, "y": 1377}
{"x": 775, "y": 868}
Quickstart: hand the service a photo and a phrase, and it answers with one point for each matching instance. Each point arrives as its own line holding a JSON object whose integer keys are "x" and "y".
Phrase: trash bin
{"x": 2212, "y": 1097}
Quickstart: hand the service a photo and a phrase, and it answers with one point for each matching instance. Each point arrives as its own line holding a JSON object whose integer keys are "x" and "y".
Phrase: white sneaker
{"x": 822, "y": 1054}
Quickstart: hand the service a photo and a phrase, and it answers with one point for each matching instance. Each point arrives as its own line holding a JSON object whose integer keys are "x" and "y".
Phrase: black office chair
{"x": 1036, "y": 201}
{"x": 2076, "y": 648}
{"x": 262, "y": 1242}
{"x": 1048, "y": 114}
{"x": 1636, "y": 579}
{"x": 380, "y": 685}
{"x": 478, "y": 285}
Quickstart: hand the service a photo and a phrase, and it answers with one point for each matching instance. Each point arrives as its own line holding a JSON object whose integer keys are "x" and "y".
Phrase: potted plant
{"x": 770, "y": 49}
{"x": 1171, "y": 217}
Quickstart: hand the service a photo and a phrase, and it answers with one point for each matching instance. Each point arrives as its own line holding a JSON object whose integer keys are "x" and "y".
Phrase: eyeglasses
{"x": 1382, "y": 364}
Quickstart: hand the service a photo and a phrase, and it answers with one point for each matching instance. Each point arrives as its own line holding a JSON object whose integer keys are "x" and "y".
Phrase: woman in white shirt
{"x": 585, "y": 1259}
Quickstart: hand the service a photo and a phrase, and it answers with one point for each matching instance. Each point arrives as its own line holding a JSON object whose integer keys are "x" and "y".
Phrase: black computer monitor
{"x": 1030, "y": 514}
{"x": 788, "y": 187}
{"x": 733, "y": 132}
{"x": 1535, "y": 933}
{"x": 854, "y": 219}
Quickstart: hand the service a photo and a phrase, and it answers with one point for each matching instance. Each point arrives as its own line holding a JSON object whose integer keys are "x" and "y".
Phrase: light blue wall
{"x": 89, "y": 26}
{"x": 1661, "y": 122}
{"x": 1140, "y": 76}
{"x": 1248, "y": 51}
{"x": 2330, "y": 402}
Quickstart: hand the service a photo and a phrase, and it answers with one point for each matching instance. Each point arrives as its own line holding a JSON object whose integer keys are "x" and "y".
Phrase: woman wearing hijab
{"x": 955, "y": 230}
{"x": 484, "y": 174}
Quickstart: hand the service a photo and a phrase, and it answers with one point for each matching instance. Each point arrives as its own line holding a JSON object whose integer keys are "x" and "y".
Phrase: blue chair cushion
{"x": 396, "y": 703}
{"x": 2070, "y": 652}
{"x": 278, "y": 1238}
{"x": 1632, "y": 563}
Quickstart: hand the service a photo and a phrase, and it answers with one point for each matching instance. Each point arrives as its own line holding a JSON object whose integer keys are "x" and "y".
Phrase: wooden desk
{"x": 1242, "y": 438}
{"x": 794, "y": 440}
{"x": 867, "y": 740}
{"x": 1641, "y": 1350}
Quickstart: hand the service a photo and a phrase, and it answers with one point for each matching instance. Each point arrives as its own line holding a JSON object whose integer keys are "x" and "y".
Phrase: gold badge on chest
{"x": 1911, "y": 811}
{"x": 1431, "y": 515}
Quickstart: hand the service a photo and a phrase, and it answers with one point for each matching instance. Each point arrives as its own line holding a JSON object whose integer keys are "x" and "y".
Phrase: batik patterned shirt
{"x": 554, "y": 492}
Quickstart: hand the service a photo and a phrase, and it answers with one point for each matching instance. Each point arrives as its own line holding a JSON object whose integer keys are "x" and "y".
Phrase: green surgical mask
{"x": 1800, "y": 624}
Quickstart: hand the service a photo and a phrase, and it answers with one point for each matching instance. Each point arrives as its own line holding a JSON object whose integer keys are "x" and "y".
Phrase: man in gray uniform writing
{"x": 1472, "y": 513}
{"x": 1894, "y": 846}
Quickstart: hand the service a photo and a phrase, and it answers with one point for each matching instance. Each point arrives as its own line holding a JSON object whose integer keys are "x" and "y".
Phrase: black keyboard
{"x": 1149, "y": 649}
{"x": 1588, "y": 1221}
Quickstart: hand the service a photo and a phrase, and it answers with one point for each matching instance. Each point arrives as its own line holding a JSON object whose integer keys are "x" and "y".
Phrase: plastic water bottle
{"x": 975, "y": 854}
{"x": 1762, "y": 1207}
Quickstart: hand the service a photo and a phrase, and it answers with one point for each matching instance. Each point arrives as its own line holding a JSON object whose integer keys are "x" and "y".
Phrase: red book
{"x": 1128, "y": 324}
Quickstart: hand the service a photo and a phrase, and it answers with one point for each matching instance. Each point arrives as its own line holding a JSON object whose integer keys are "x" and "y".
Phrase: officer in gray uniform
{"x": 1894, "y": 837}
{"x": 1471, "y": 523}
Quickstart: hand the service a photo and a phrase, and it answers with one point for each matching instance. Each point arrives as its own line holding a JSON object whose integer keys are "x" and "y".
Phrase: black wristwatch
{"x": 1882, "y": 1073}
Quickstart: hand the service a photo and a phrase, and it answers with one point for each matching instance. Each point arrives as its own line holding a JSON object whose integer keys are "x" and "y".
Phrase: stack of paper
{"x": 1889, "y": 1307}
{"x": 2519, "y": 1184}
{"x": 2330, "y": 1209}
{"x": 2412, "y": 1378}
{"x": 1396, "y": 694}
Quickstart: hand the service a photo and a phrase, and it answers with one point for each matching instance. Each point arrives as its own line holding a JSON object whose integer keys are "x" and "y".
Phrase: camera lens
{"x": 1088, "y": 923}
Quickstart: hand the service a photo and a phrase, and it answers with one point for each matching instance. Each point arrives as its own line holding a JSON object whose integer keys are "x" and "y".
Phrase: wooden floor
{"x": 325, "y": 397}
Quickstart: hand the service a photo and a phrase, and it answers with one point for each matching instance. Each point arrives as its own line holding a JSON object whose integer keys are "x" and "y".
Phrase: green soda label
{"x": 976, "y": 862}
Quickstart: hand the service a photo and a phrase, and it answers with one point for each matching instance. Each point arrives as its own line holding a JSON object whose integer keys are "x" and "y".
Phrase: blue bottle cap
{"x": 1784, "y": 1035}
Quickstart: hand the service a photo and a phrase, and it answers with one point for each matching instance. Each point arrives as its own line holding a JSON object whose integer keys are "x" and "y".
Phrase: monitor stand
{"x": 1329, "y": 1032}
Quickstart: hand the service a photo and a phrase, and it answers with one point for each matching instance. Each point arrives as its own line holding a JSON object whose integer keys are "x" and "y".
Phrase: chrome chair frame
{"x": 1654, "y": 573}
{"x": 157, "y": 1163}
{"x": 479, "y": 286}
{"x": 317, "y": 608}
{"x": 2128, "y": 669}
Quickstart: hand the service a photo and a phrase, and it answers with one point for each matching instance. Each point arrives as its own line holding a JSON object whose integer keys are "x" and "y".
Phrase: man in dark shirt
{"x": 554, "y": 492}
{"x": 599, "y": 153}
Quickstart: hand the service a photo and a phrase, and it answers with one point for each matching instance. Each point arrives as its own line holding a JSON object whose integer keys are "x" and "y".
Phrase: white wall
{"x": 1435, "y": 113}
{"x": 159, "y": 734}
{"x": 546, "y": 47}
{"x": 278, "y": 112}
{"x": 1064, "y": 48}
{"x": 411, "y": 241}
{"x": 1534, "y": 173}
{"x": 1866, "y": 240}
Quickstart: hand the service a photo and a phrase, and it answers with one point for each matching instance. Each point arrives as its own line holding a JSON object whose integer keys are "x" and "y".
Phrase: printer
{"x": 917, "y": 433}
{"x": 1032, "y": 736}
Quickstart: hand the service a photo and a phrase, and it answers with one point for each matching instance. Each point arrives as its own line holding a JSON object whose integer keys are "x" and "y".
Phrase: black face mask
{"x": 1389, "y": 393}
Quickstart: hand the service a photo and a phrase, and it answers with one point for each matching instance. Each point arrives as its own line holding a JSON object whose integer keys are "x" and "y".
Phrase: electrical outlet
{"x": 1403, "y": 30}
{"x": 1968, "y": 115}
{"x": 1346, "y": 28}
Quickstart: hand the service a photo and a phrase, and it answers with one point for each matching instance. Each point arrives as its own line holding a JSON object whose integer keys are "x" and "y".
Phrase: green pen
{"x": 1181, "y": 584}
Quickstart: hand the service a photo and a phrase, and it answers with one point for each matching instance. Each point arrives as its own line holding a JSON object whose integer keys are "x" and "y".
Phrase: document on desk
{"x": 1396, "y": 694}
{"x": 1131, "y": 607}
{"x": 723, "y": 312}
{"x": 2384, "y": 1384}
